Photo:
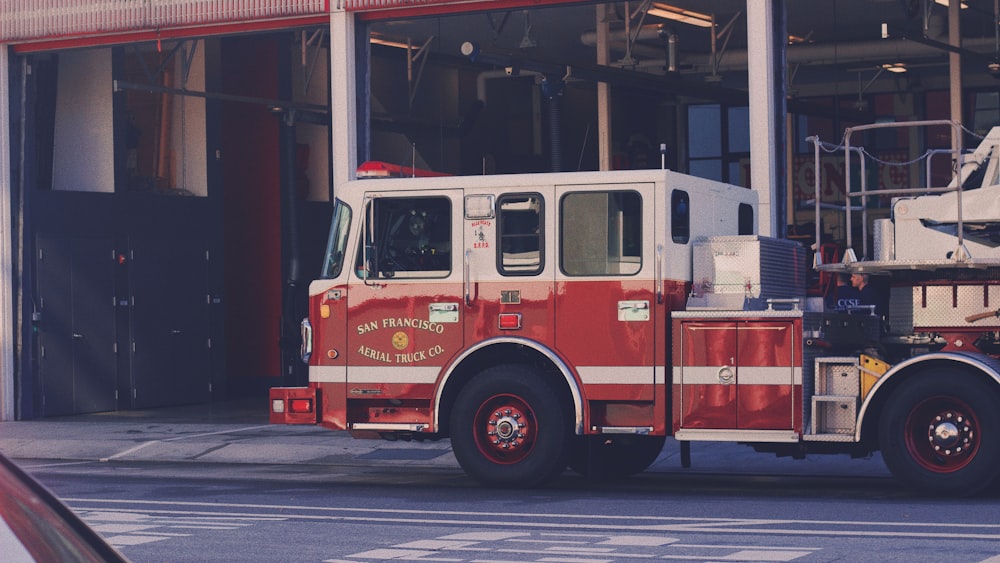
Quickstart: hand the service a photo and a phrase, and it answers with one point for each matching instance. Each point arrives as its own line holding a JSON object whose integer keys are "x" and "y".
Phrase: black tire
{"x": 615, "y": 457}
{"x": 509, "y": 428}
{"x": 940, "y": 433}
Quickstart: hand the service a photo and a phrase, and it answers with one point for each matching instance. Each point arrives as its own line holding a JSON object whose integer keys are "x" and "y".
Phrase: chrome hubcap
{"x": 506, "y": 429}
{"x": 949, "y": 434}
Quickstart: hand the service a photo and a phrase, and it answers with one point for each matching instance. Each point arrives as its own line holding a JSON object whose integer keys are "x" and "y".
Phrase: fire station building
{"x": 167, "y": 166}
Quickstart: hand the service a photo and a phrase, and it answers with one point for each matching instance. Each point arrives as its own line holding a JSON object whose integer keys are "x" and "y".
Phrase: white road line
{"x": 123, "y": 541}
{"x": 573, "y": 560}
{"x": 549, "y": 542}
{"x": 721, "y": 546}
{"x": 496, "y": 515}
{"x": 165, "y": 534}
{"x": 143, "y": 445}
{"x": 60, "y": 464}
{"x": 925, "y": 530}
{"x": 555, "y": 552}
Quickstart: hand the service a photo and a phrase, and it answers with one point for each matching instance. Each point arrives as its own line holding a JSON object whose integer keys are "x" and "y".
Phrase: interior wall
{"x": 251, "y": 198}
{"x": 313, "y": 139}
{"x": 83, "y": 153}
{"x": 188, "y": 144}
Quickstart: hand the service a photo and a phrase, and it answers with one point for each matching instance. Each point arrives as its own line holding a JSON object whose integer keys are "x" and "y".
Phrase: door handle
{"x": 468, "y": 283}
{"x": 658, "y": 274}
{"x": 726, "y": 375}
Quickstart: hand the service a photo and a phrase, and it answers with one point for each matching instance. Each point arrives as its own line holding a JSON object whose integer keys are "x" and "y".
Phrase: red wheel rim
{"x": 505, "y": 429}
{"x": 942, "y": 434}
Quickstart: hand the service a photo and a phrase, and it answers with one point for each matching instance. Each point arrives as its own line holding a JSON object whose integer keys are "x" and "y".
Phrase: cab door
{"x": 606, "y": 301}
{"x": 509, "y": 264}
{"x": 405, "y": 315}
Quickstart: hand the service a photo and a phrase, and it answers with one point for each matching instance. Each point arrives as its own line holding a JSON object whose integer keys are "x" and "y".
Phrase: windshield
{"x": 337, "y": 243}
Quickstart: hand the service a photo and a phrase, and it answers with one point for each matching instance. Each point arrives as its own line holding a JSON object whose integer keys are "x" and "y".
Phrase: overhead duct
{"x": 876, "y": 51}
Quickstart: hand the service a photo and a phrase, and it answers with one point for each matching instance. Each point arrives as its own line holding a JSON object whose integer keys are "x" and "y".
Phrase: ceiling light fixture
{"x": 377, "y": 39}
{"x": 673, "y": 13}
{"x": 894, "y": 67}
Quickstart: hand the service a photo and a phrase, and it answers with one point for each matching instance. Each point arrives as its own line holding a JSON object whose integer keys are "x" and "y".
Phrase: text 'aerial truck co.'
{"x": 546, "y": 321}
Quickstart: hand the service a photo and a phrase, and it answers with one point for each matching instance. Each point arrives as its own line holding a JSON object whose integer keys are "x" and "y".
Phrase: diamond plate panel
{"x": 834, "y": 415}
{"x": 948, "y": 305}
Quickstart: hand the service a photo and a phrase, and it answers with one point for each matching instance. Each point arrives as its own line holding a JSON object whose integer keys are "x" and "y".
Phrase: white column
{"x": 6, "y": 251}
{"x": 603, "y": 92}
{"x": 955, "y": 64}
{"x": 763, "y": 113}
{"x": 343, "y": 98}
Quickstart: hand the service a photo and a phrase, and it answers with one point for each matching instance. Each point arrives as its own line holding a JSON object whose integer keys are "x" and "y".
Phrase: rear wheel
{"x": 615, "y": 457}
{"x": 940, "y": 433}
{"x": 509, "y": 428}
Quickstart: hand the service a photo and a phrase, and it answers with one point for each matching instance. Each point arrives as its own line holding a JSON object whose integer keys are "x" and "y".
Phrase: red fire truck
{"x": 546, "y": 321}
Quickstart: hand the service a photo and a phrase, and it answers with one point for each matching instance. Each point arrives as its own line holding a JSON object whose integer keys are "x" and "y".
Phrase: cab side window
{"x": 601, "y": 233}
{"x": 407, "y": 237}
{"x": 520, "y": 234}
{"x": 680, "y": 217}
{"x": 745, "y": 219}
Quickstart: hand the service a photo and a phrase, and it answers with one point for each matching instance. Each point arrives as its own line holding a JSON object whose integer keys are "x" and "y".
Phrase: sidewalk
{"x": 225, "y": 432}
{"x": 239, "y": 432}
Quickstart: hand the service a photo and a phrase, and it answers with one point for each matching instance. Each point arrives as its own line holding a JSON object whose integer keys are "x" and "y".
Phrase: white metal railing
{"x": 23, "y": 20}
{"x": 960, "y": 254}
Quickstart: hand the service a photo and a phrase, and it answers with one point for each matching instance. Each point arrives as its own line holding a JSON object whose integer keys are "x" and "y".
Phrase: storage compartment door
{"x": 766, "y": 377}
{"x": 708, "y": 375}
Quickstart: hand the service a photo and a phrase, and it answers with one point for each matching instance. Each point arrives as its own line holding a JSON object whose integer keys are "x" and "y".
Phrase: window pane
{"x": 337, "y": 243}
{"x": 520, "y": 234}
{"x": 739, "y": 129}
{"x": 745, "y": 219}
{"x": 412, "y": 238}
{"x": 601, "y": 233}
{"x": 705, "y": 130}
{"x": 986, "y": 113}
{"x": 680, "y": 217}
{"x": 709, "y": 168}
{"x": 739, "y": 174}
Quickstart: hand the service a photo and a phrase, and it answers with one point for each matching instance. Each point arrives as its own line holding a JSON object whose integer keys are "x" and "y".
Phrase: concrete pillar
{"x": 766, "y": 85}
{"x": 7, "y": 402}
{"x": 343, "y": 97}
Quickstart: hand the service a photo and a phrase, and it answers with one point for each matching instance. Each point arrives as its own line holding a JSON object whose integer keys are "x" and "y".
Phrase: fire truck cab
{"x": 514, "y": 314}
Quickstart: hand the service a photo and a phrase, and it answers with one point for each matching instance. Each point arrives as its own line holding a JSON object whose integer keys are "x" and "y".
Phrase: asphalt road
{"x": 218, "y": 483}
{"x": 168, "y": 511}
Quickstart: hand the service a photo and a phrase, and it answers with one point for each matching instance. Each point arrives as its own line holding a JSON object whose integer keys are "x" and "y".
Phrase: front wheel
{"x": 509, "y": 428}
{"x": 940, "y": 433}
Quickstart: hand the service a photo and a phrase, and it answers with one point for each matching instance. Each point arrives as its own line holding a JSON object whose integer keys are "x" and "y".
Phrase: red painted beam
{"x": 148, "y": 35}
{"x": 372, "y": 10}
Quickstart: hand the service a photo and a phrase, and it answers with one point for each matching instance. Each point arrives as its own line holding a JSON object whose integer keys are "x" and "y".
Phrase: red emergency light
{"x": 378, "y": 169}
{"x": 300, "y": 406}
{"x": 293, "y": 405}
{"x": 510, "y": 321}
